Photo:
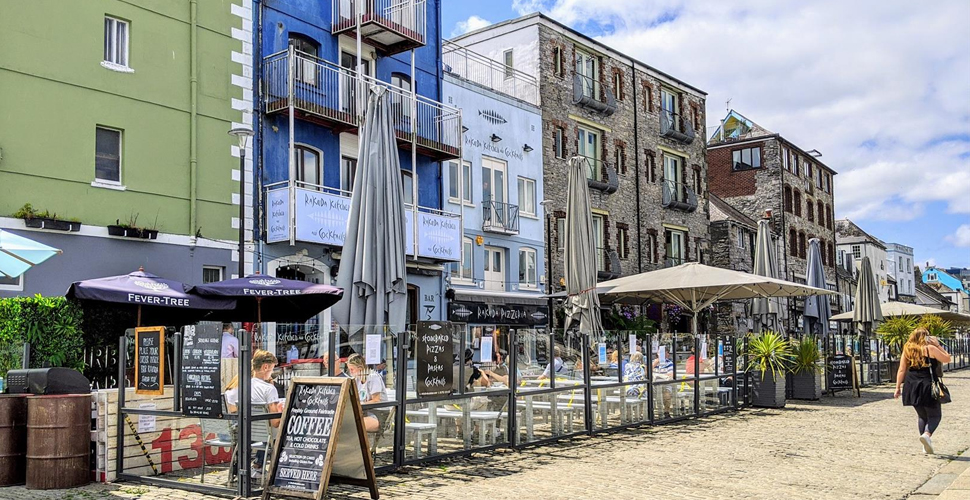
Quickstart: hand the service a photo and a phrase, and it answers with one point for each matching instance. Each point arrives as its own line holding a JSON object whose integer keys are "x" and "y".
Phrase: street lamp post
{"x": 242, "y": 134}
{"x": 545, "y": 208}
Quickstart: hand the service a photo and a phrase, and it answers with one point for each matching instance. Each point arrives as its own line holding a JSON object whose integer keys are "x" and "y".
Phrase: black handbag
{"x": 939, "y": 390}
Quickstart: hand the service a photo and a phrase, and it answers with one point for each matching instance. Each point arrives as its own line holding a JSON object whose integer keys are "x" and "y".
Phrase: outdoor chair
{"x": 386, "y": 426}
{"x": 225, "y": 437}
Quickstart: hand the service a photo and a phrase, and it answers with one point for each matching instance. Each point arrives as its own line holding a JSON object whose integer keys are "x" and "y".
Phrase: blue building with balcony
{"x": 314, "y": 61}
{"x": 496, "y": 186}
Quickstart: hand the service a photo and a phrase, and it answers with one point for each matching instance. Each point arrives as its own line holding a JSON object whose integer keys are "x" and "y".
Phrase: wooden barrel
{"x": 58, "y": 441}
{"x": 13, "y": 439}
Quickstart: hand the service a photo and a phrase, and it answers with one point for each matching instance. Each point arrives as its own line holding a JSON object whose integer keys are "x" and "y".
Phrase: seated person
{"x": 370, "y": 390}
{"x": 337, "y": 371}
{"x": 634, "y": 372}
{"x": 473, "y": 376}
{"x": 557, "y": 366}
{"x": 500, "y": 372}
{"x": 663, "y": 370}
{"x": 262, "y": 392}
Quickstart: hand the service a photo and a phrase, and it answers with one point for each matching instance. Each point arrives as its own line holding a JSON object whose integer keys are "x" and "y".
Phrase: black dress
{"x": 918, "y": 386}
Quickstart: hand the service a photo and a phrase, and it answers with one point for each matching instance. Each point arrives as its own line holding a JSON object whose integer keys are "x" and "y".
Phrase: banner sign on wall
{"x": 439, "y": 237}
{"x": 277, "y": 215}
{"x": 321, "y": 217}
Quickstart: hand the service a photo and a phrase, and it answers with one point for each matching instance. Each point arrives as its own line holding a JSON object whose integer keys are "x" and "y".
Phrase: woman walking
{"x": 914, "y": 380}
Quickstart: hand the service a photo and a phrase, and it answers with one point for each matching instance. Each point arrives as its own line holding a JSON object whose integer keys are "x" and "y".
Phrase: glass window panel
{"x": 746, "y": 158}
{"x": 467, "y": 181}
{"x": 107, "y": 161}
{"x": 407, "y": 180}
{"x": 756, "y": 158}
{"x": 122, "y": 43}
{"x": 453, "y": 180}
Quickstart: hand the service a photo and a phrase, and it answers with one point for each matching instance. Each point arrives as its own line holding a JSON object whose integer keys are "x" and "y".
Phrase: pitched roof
{"x": 847, "y": 231}
{"x": 731, "y": 212}
{"x": 737, "y": 126}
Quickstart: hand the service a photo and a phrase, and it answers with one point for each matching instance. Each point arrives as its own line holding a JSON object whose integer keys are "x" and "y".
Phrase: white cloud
{"x": 471, "y": 24}
{"x": 881, "y": 88}
{"x": 961, "y": 237}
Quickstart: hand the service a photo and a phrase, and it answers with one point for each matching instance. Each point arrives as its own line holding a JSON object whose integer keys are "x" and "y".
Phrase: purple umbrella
{"x": 164, "y": 301}
{"x": 265, "y": 298}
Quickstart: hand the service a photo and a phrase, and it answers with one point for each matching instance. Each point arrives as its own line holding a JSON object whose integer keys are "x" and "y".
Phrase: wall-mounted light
{"x": 496, "y": 138}
{"x": 527, "y": 148}
{"x": 464, "y": 129}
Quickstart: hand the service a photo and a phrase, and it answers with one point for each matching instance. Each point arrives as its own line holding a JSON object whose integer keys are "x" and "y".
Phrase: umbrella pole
{"x": 138, "y": 317}
{"x": 259, "y": 320}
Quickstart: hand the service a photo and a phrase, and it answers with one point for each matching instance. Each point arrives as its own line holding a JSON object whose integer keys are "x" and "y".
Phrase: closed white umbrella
{"x": 867, "y": 311}
{"x": 765, "y": 310}
{"x": 582, "y": 302}
{"x": 817, "y": 311}
{"x": 372, "y": 263}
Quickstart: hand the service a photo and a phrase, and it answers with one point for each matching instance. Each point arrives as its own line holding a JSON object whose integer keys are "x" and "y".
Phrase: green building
{"x": 115, "y": 113}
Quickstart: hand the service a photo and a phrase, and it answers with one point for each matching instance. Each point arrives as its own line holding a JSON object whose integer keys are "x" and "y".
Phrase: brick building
{"x": 754, "y": 170}
{"x": 636, "y": 126}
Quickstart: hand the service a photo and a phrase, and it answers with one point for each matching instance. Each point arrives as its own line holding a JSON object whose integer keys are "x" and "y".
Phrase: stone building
{"x": 854, "y": 240}
{"x": 754, "y": 170}
{"x": 634, "y": 124}
{"x": 733, "y": 237}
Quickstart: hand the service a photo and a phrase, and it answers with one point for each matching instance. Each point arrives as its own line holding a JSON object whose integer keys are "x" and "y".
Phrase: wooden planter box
{"x": 807, "y": 386}
{"x": 767, "y": 392}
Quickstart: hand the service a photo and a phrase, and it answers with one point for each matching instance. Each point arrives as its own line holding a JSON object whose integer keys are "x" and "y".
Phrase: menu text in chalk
{"x": 202, "y": 371}
{"x": 435, "y": 358}
{"x": 149, "y": 360}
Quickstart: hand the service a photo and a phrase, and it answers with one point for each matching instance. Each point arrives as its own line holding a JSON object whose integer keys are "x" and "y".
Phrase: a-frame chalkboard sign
{"x": 322, "y": 440}
{"x": 841, "y": 374}
{"x": 150, "y": 360}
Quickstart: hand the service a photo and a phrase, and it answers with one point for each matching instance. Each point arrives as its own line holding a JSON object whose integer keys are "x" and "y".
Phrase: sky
{"x": 880, "y": 88}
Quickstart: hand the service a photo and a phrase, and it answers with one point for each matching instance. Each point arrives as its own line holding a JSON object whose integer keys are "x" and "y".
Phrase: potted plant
{"x": 806, "y": 373}
{"x": 45, "y": 219}
{"x": 116, "y": 229}
{"x": 769, "y": 357}
{"x": 52, "y": 222}
{"x": 936, "y": 326}
{"x": 151, "y": 233}
{"x": 895, "y": 332}
{"x": 29, "y": 215}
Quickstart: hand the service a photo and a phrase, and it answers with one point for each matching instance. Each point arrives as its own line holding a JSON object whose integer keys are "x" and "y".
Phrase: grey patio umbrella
{"x": 372, "y": 264}
{"x": 817, "y": 311}
{"x": 579, "y": 254}
{"x": 867, "y": 310}
{"x": 765, "y": 310}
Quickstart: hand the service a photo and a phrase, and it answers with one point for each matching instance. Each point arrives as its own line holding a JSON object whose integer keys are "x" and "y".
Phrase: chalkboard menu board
{"x": 840, "y": 373}
{"x": 149, "y": 360}
{"x": 728, "y": 356}
{"x": 322, "y": 440}
{"x": 435, "y": 358}
{"x": 201, "y": 371}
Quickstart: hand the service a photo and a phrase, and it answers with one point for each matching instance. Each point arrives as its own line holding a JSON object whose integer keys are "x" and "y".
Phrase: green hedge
{"x": 52, "y": 325}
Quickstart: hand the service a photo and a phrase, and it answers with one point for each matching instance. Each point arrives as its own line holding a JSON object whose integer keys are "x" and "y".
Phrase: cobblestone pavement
{"x": 838, "y": 448}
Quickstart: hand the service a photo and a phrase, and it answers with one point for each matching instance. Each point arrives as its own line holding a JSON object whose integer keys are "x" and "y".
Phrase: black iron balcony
{"x": 322, "y": 92}
{"x": 588, "y": 93}
{"x": 500, "y": 217}
{"x": 678, "y": 196}
{"x": 607, "y": 264}
{"x": 676, "y": 127}
{"x": 393, "y": 26}
{"x": 601, "y": 176}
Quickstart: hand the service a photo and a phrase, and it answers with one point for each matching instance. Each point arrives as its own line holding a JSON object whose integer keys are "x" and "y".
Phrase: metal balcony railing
{"x": 601, "y": 176}
{"x": 489, "y": 73}
{"x": 678, "y": 195}
{"x": 392, "y": 26}
{"x": 676, "y": 127}
{"x": 607, "y": 264}
{"x": 588, "y": 93}
{"x": 500, "y": 217}
{"x": 321, "y": 91}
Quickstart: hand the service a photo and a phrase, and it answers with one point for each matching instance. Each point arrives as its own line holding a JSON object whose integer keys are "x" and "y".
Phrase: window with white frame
{"x": 528, "y": 277}
{"x": 309, "y": 166}
{"x": 407, "y": 182}
{"x": 746, "y": 158}
{"x": 507, "y": 58}
{"x": 116, "y": 42}
{"x": 12, "y": 284}
{"x": 559, "y": 143}
{"x": 561, "y": 231}
{"x": 652, "y": 248}
{"x": 587, "y": 67}
{"x": 348, "y": 172}
{"x": 527, "y": 196}
{"x": 212, "y": 274}
{"x": 107, "y": 155}
{"x": 623, "y": 242}
{"x": 741, "y": 237}
{"x": 460, "y": 182}
{"x": 463, "y": 270}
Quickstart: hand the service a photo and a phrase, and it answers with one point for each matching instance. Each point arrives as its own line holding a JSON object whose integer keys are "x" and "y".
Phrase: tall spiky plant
{"x": 807, "y": 356}
{"x": 937, "y": 326}
{"x": 769, "y": 351}
{"x": 895, "y": 331}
